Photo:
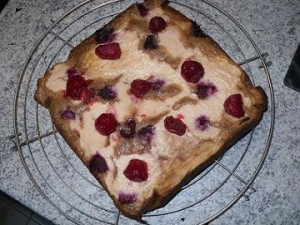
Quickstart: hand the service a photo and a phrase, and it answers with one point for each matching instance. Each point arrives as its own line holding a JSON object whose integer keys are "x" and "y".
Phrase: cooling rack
{"x": 67, "y": 185}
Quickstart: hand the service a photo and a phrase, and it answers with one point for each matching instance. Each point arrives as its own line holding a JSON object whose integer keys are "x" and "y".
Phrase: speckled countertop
{"x": 275, "y": 27}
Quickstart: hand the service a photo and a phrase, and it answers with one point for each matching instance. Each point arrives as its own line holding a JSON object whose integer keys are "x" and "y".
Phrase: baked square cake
{"x": 147, "y": 102}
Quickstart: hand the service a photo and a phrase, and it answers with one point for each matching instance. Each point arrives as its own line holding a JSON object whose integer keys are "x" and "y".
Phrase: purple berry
{"x": 205, "y": 90}
{"x": 127, "y": 131}
{"x": 107, "y": 93}
{"x": 68, "y": 114}
{"x": 157, "y": 84}
{"x": 97, "y": 164}
{"x": 150, "y": 42}
{"x": 202, "y": 123}
{"x": 104, "y": 34}
{"x": 145, "y": 134}
{"x": 127, "y": 198}
{"x": 142, "y": 9}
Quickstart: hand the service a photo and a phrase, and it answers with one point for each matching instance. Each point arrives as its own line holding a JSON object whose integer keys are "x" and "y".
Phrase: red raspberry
{"x": 75, "y": 87}
{"x": 72, "y": 72}
{"x": 127, "y": 198}
{"x": 140, "y": 87}
{"x": 137, "y": 170}
{"x": 233, "y": 106}
{"x": 157, "y": 24}
{"x": 106, "y": 124}
{"x": 97, "y": 164}
{"x": 175, "y": 126}
{"x": 88, "y": 95}
{"x": 111, "y": 51}
{"x": 192, "y": 71}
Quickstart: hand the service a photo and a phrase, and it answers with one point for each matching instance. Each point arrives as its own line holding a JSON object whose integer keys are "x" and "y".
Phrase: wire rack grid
{"x": 66, "y": 184}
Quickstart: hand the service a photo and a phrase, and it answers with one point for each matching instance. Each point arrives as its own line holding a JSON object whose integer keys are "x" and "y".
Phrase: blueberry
{"x": 150, "y": 42}
{"x": 102, "y": 35}
{"x": 97, "y": 164}
{"x": 127, "y": 131}
{"x": 202, "y": 123}
{"x": 127, "y": 198}
{"x": 157, "y": 84}
{"x": 142, "y": 9}
{"x": 145, "y": 134}
{"x": 68, "y": 114}
{"x": 205, "y": 90}
{"x": 107, "y": 93}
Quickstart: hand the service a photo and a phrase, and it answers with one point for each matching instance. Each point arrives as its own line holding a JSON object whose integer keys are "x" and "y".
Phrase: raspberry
{"x": 107, "y": 93}
{"x": 205, "y": 90}
{"x": 233, "y": 106}
{"x": 97, "y": 164}
{"x": 136, "y": 170}
{"x": 68, "y": 114}
{"x": 202, "y": 123}
{"x": 128, "y": 129}
{"x": 197, "y": 31}
{"x": 72, "y": 73}
{"x": 109, "y": 51}
{"x": 192, "y": 71}
{"x": 175, "y": 126}
{"x": 145, "y": 134}
{"x": 104, "y": 34}
{"x": 157, "y": 84}
{"x": 150, "y": 42}
{"x": 88, "y": 95}
{"x": 140, "y": 87}
{"x": 157, "y": 24}
{"x": 179, "y": 116}
{"x": 106, "y": 124}
{"x": 142, "y": 9}
{"x": 75, "y": 86}
{"x": 127, "y": 198}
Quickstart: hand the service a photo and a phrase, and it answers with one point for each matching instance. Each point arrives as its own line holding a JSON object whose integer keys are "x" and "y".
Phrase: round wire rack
{"x": 66, "y": 184}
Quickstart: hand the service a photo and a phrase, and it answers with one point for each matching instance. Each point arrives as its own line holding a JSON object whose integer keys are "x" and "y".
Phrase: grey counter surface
{"x": 275, "y": 27}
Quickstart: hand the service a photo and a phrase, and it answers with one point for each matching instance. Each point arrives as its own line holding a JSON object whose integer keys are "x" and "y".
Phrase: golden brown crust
{"x": 204, "y": 152}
